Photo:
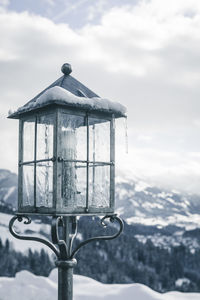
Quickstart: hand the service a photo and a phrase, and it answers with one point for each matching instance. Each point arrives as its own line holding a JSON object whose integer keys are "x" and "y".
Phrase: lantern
{"x": 67, "y": 150}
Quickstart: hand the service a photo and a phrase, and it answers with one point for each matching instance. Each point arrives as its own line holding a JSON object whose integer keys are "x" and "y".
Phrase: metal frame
{"x": 32, "y": 209}
{"x": 57, "y": 160}
{"x": 62, "y": 246}
{"x": 64, "y": 249}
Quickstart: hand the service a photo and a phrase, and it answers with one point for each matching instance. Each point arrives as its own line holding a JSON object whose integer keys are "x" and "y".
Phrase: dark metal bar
{"x": 57, "y": 222}
{"x": 101, "y": 163}
{"x": 20, "y": 169}
{"x": 84, "y": 161}
{"x": 94, "y": 164}
{"x": 30, "y": 238}
{"x": 65, "y": 279}
{"x": 36, "y": 161}
{"x": 73, "y": 233}
{"x": 65, "y": 262}
{"x": 88, "y": 157}
{"x": 66, "y": 230}
{"x": 55, "y": 154}
{"x": 112, "y": 159}
{"x": 35, "y": 158}
{"x": 112, "y": 218}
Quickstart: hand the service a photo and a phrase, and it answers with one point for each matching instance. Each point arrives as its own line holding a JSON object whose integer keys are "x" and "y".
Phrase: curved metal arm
{"x": 98, "y": 238}
{"x": 64, "y": 247}
{"x": 72, "y": 234}
{"x": 30, "y": 238}
{"x": 56, "y": 222}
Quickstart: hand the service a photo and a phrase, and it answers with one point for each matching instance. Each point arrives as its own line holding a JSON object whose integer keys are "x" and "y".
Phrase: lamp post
{"x": 66, "y": 166}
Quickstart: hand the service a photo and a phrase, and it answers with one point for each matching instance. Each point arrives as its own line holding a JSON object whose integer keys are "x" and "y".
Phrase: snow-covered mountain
{"x": 136, "y": 201}
{"x": 28, "y": 286}
{"x": 139, "y": 202}
{"x": 8, "y": 188}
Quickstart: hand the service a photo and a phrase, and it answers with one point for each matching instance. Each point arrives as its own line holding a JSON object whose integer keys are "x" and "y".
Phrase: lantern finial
{"x": 66, "y": 69}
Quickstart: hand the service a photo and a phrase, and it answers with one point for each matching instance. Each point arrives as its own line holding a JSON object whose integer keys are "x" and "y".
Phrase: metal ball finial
{"x": 66, "y": 69}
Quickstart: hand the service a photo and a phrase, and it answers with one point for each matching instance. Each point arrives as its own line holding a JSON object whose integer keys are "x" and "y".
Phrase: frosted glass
{"x": 45, "y": 136}
{"x": 73, "y": 137}
{"x": 28, "y": 185}
{"x": 73, "y": 185}
{"x": 28, "y": 140}
{"x": 99, "y": 134}
{"x": 44, "y": 184}
{"x": 81, "y": 184}
{"x": 99, "y": 186}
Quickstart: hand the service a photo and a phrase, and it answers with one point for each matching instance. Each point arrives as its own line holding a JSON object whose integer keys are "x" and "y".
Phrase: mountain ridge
{"x": 136, "y": 202}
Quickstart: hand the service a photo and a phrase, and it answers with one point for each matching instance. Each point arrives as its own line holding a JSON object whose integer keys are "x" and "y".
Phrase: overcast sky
{"x": 144, "y": 54}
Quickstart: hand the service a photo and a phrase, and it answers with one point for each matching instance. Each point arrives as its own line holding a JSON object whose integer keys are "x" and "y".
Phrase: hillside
{"x": 136, "y": 202}
{"x": 140, "y": 202}
{"x": 160, "y": 238}
{"x": 28, "y": 286}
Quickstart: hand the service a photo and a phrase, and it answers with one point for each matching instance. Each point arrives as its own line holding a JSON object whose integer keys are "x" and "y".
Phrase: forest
{"x": 123, "y": 260}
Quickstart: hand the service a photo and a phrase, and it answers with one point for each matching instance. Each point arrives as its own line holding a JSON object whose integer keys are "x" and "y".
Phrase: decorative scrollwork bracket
{"x": 30, "y": 238}
{"x": 64, "y": 241}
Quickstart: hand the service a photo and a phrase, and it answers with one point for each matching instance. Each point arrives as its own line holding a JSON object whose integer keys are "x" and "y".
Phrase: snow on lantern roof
{"x": 70, "y": 92}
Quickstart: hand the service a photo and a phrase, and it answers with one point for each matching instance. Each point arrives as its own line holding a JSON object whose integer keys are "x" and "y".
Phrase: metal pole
{"x": 65, "y": 278}
{"x": 65, "y": 262}
{"x": 65, "y": 267}
{"x": 66, "y": 229}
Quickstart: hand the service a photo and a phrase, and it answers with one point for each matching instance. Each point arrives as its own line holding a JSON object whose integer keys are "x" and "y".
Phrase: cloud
{"x": 4, "y": 3}
{"x": 70, "y": 7}
{"x": 96, "y": 9}
{"x": 168, "y": 169}
{"x": 145, "y": 56}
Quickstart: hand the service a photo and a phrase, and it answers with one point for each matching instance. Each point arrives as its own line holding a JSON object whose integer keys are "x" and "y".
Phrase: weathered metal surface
{"x": 35, "y": 158}
{"x": 57, "y": 159}
{"x": 29, "y": 238}
{"x": 112, "y": 160}
{"x": 20, "y": 168}
{"x": 66, "y": 69}
{"x": 64, "y": 251}
{"x": 65, "y": 279}
{"x": 67, "y": 82}
{"x": 87, "y": 163}
{"x": 63, "y": 239}
{"x": 99, "y": 238}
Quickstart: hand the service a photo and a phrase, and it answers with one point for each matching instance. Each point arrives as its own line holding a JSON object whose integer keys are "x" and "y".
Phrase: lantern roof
{"x": 67, "y": 91}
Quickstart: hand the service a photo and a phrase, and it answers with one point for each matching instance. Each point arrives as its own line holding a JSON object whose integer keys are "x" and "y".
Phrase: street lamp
{"x": 66, "y": 165}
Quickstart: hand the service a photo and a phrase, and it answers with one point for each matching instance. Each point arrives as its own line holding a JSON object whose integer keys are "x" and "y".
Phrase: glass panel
{"x": 44, "y": 184}
{"x": 99, "y": 186}
{"x": 99, "y": 140}
{"x": 28, "y": 185}
{"x": 73, "y": 137}
{"x": 45, "y": 136}
{"x": 28, "y": 140}
{"x": 73, "y": 184}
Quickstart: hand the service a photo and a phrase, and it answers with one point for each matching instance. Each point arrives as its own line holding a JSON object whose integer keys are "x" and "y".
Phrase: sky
{"x": 143, "y": 54}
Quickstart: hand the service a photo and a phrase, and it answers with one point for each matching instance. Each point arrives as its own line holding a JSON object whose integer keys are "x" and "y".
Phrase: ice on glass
{"x": 73, "y": 151}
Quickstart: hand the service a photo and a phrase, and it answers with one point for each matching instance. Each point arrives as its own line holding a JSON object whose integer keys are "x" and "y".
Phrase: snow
{"x": 182, "y": 281}
{"x": 19, "y": 245}
{"x": 59, "y": 95}
{"x": 166, "y": 242}
{"x": 141, "y": 186}
{"x": 28, "y": 286}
